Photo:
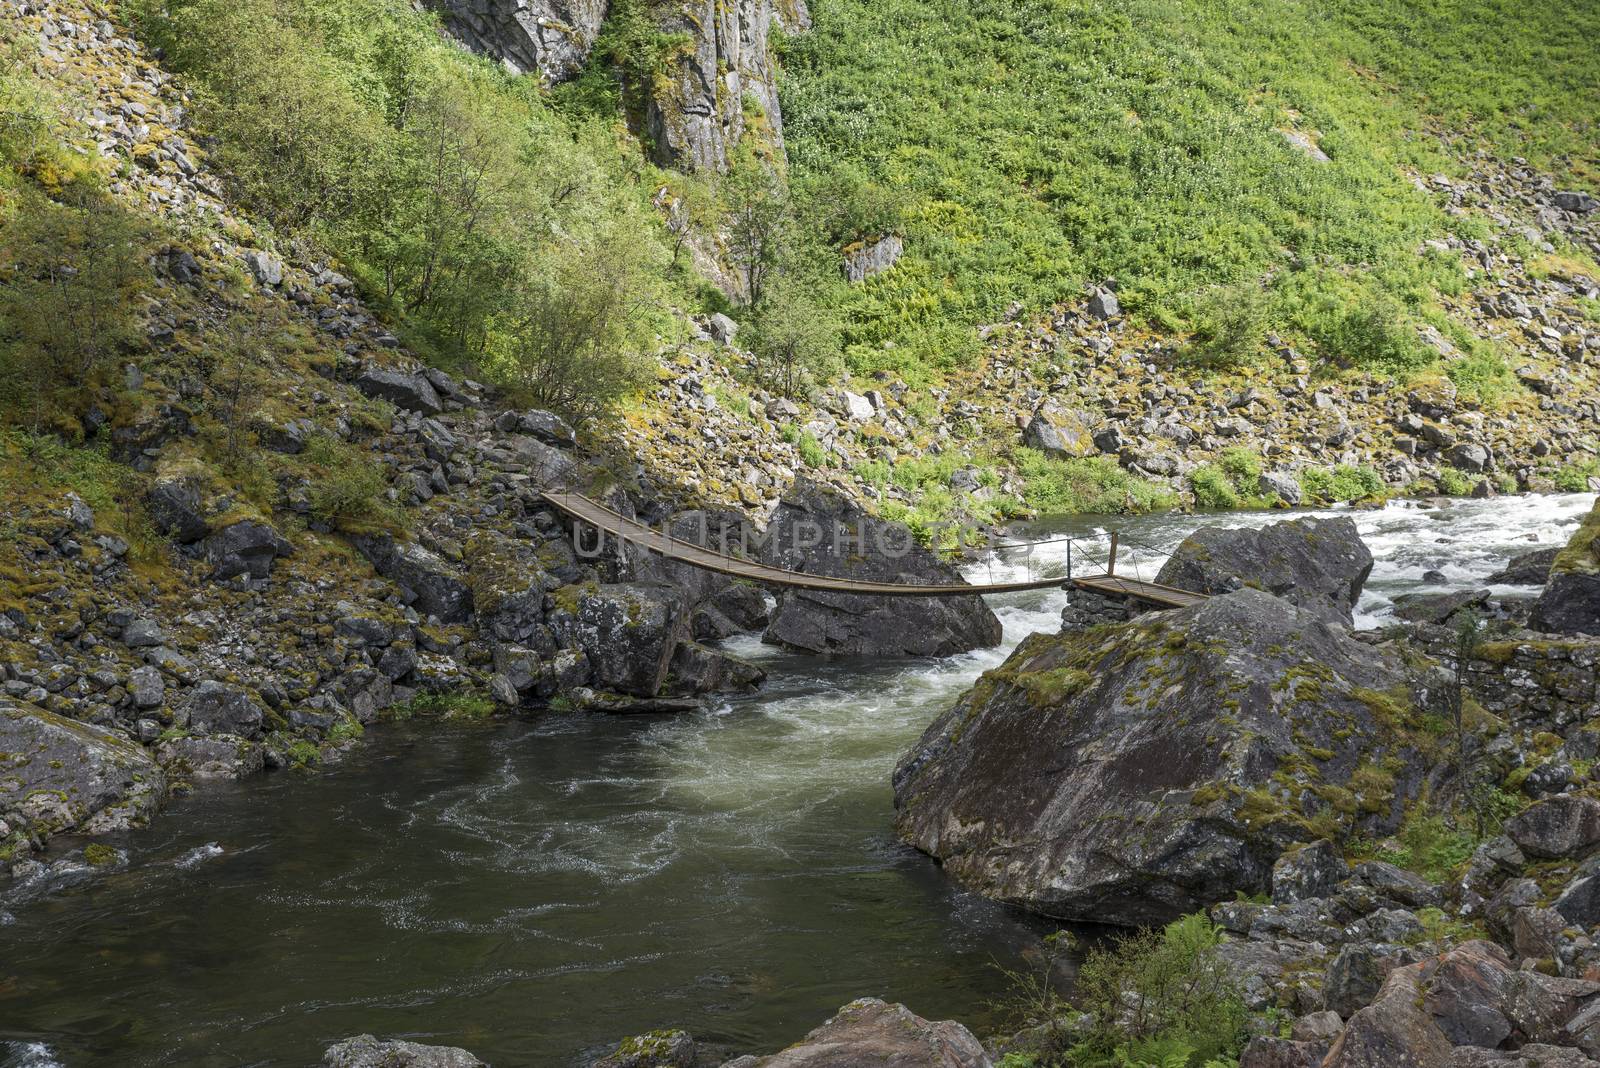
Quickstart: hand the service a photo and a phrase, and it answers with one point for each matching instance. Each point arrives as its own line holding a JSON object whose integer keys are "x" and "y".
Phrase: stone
{"x": 1397, "y": 884}
{"x": 871, "y": 1032}
{"x": 223, "y": 757}
{"x": 722, "y": 328}
{"x": 1468, "y": 456}
{"x": 219, "y": 708}
{"x": 548, "y": 428}
{"x": 628, "y": 632}
{"x": 1280, "y": 484}
{"x": 57, "y": 774}
{"x": 868, "y": 259}
{"x": 1570, "y": 603}
{"x": 1579, "y": 202}
{"x": 1528, "y": 569}
{"x": 1534, "y": 1055}
{"x": 1318, "y": 564}
{"x": 856, "y": 407}
{"x": 658, "y": 1049}
{"x": 1059, "y": 434}
{"x": 1438, "y": 609}
{"x": 413, "y": 392}
{"x": 426, "y": 581}
{"x": 699, "y": 669}
{"x": 143, "y": 634}
{"x": 175, "y": 507}
{"x": 1138, "y": 776}
{"x": 147, "y": 687}
{"x": 1317, "y": 1027}
{"x": 1269, "y": 1051}
{"x": 1310, "y": 872}
{"x": 365, "y": 1051}
{"x": 817, "y": 531}
{"x": 247, "y": 547}
{"x": 1392, "y": 1032}
{"x": 267, "y": 268}
{"x": 1557, "y": 827}
{"x": 1356, "y": 973}
{"x": 1103, "y": 304}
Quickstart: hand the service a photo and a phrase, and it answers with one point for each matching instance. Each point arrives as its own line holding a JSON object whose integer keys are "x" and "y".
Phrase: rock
{"x": 427, "y": 583}
{"x": 364, "y": 1051}
{"x": 658, "y": 1049}
{"x": 1438, "y": 608}
{"x": 1137, "y": 809}
{"x": 1355, "y": 975}
{"x": 737, "y": 608}
{"x": 247, "y": 547}
{"x": 1570, "y": 603}
{"x": 1579, "y": 902}
{"x": 1317, "y": 1027}
{"x": 628, "y": 632}
{"x": 1528, "y": 569}
{"x": 856, "y": 407}
{"x": 218, "y": 708}
{"x": 1579, "y": 202}
{"x": 1307, "y": 873}
{"x": 1058, "y": 434}
{"x": 1396, "y": 884}
{"x": 1280, "y": 484}
{"x": 722, "y": 328}
{"x": 698, "y": 669}
{"x": 267, "y": 268}
{"x": 1393, "y": 1031}
{"x": 1103, "y": 304}
{"x": 58, "y": 774}
{"x": 869, "y": 258}
{"x": 175, "y": 507}
{"x": 147, "y": 687}
{"x": 1563, "y": 826}
{"x": 224, "y": 757}
{"x": 1267, "y": 1051}
{"x": 817, "y": 531}
{"x": 548, "y": 428}
{"x": 1468, "y": 456}
{"x": 1535, "y": 1055}
{"x": 870, "y": 1032}
{"x": 413, "y": 392}
{"x": 1306, "y": 144}
{"x": 1318, "y": 564}
{"x": 143, "y": 634}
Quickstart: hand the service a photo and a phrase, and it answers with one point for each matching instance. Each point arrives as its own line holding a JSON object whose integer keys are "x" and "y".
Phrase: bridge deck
{"x": 636, "y": 533}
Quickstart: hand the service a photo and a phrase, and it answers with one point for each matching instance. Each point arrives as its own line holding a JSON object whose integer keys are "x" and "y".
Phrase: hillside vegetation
{"x": 1037, "y": 146}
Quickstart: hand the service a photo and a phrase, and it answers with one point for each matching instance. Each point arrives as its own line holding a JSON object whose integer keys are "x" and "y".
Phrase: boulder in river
{"x": 872, "y": 1032}
{"x": 1168, "y": 762}
{"x": 1318, "y": 564}
{"x": 1526, "y": 569}
{"x": 628, "y": 632}
{"x": 1570, "y": 603}
{"x": 364, "y": 1051}
{"x": 58, "y": 774}
{"x": 818, "y": 531}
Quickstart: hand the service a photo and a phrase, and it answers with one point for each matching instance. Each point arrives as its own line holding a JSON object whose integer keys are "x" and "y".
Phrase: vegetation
{"x": 1095, "y": 484}
{"x": 1026, "y": 148}
{"x": 1231, "y": 482}
{"x": 1341, "y": 483}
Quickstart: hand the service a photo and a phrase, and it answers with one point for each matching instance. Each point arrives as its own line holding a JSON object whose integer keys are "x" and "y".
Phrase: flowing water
{"x": 534, "y": 889}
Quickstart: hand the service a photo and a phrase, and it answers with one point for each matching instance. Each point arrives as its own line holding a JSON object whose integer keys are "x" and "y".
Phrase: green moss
{"x": 99, "y": 855}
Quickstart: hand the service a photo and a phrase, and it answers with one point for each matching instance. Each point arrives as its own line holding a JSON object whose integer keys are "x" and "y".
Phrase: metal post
{"x": 1111, "y": 562}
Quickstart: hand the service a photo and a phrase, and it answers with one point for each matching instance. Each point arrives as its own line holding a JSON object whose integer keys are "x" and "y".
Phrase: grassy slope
{"x": 1044, "y": 144}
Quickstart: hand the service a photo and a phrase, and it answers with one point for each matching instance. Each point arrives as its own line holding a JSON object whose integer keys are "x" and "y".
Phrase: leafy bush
{"x": 1212, "y": 488}
{"x": 812, "y": 454}
{"x": 349, "y": 491}
{"x": 1454, "y": 482}
{"x": 1160, "y": 996}
{"x": 1574, "y": 477}
{"x": 1229, "y": 326}
{"x": 1342, "y": 483}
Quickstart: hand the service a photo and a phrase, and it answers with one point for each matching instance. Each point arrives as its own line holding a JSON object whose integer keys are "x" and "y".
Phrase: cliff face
{"x": 720, "y": 85}
{"x": 550, "y": 37}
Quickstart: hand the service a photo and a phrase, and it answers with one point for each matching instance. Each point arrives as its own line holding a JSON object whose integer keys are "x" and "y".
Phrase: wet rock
{"x": 364, "y": 1051}
{"x": 1138, "y": 776}
{"x": 1528, "y": 569}
{"x": 658, "y": 1049}
{"x": 427, "y": 582}
{"x": 698, "y": 669}
{"x": 247, "y": 547}
{"x": 1564, "y": 826}
{"x": 223, "y": 757}
{"x": 1570, "y": 603}
{"x": 1438, "y": 608}
{"x": 869, "y": 1031}
{"x": 819, "y": 532}
{"x": 628, "y": 632}
{"x": 1309, "y": 872}
{"x": 1318, "y": 564}
{"x": 58, "y": 774}
{"x": 218, "y": 708}
{"x": 402, "y": 390}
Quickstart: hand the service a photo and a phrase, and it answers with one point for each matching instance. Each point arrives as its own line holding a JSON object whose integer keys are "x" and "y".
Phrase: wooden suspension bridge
{"x": 633, "y": 532}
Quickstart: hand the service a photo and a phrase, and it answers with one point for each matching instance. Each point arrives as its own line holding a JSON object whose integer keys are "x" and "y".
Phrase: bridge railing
{"x": 1114, "y": 545}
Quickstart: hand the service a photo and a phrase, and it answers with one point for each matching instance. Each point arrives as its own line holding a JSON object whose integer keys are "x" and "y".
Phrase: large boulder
{"x": 719, "y": 605}
{"x": 1562, "y": 826}
{"x": 427, "y": 582}
{"x": 1168, "y": 761}
{"x": 1526, "y": 569}
{"x": 551, "y": 38}
{"x": 1058, "y": 433}
{"x": 817, "y": 531}
{"x": 1318, "y": 564}
{"x": 871, "y": 1032}
{"x": 57, "y": 774}
{"x": 1570, "y": 603}
{"x": 414, "y": 392}
{"x": 365, "y": 1051}
{"x": 628, "y": 632}
{"x": 247, "y": 547}
{"x": 217, "y": 708}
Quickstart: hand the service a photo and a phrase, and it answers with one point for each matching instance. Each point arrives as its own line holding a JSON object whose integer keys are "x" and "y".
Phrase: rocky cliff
{"x": 551, "y": 38}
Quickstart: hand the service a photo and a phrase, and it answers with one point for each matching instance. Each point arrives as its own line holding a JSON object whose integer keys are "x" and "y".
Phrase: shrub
{"x": 1454, "y": 482}
{"x": 1229, "y": 325}
{"x": 1161, "y": 994}
{"x": 1342, "y": 483}
{"x": 1212, "y": 488}
{"x": 794, "y": 339}
{"x": 1574, "y": 477}
{"x": 1373, "y": 336}
{"x": 812, "y": 453}
{"x": 349, "y": 490}
{"x": 1093, "y": 484}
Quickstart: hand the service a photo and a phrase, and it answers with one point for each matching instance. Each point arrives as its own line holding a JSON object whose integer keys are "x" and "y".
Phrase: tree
{"x": 69, "y": 280}
{"x": 757, "y": 210}
{"x": 575, "y": 338}
{"x": 794, "y": 337}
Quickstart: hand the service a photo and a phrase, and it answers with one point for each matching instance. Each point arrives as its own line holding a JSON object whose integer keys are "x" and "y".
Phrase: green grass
{"x": 1033, "y": 146}
{"x": 1093, "y": 484}
{"x": 1332, "y": 485}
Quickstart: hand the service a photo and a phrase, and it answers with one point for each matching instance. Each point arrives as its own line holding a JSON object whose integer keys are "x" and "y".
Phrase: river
{"x": 535, "y": 889}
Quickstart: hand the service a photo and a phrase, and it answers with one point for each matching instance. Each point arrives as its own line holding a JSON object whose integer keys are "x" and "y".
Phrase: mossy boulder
{"x": 1318, "y": 564}
{"x": 1570, "y": 603}
{"x": 628, "y": 632}
{"x": 1136, "y": 772}
{"x": 57, "y": 774}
